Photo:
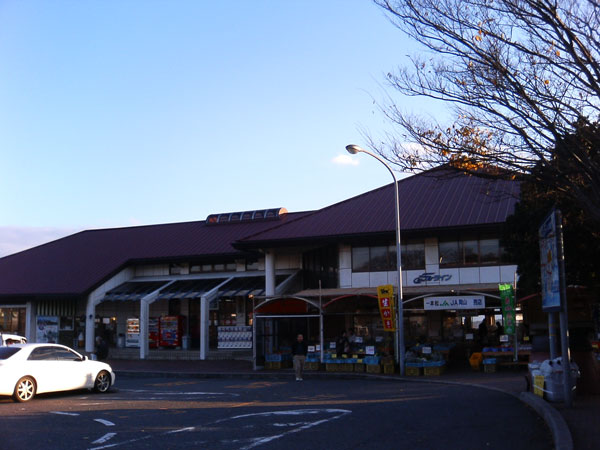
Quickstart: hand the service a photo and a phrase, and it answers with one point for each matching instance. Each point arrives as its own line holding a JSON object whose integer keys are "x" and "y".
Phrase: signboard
{"x": 370, "y": 350}
{"x": 46, "y": 329}
{"x": 385, "y": 297}
{"x": 507, "y": 298}
{"x": 549, "y": 264}
{"x": 455, "y": 302}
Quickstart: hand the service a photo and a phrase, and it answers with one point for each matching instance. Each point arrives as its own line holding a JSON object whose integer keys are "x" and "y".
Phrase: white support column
{"x": 90, "y": 325}
{"x": 94, "y": 299}
{"x": 269, "y": 273}
{"x": 204, "y": 317}
{"x": 144, "y": 319}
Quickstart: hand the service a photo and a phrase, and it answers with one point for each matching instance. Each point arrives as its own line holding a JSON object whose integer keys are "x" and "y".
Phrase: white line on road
{"x": 107, "y": 437}
{"x": 61, "y": 413}
{"x": 105, "y": 422}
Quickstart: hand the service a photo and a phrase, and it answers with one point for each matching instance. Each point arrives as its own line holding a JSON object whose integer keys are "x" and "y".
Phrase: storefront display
{"x": 153, "y": 332}
{"x": 235, "y": 337}
{"x": 132, "y": 338}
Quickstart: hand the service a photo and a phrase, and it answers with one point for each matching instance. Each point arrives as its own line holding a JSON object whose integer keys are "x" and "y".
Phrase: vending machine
{"x": 132, "y": 338}
{"x": 153, "y": 332}
{"x": 170, "y": 331}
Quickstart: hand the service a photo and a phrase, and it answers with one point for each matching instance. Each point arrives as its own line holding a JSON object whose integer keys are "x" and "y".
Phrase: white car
{"x": 30, "y": 369}
{"x": 9, "y": 338}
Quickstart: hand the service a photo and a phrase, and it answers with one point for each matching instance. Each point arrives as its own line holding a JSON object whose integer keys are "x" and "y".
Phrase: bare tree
{"x": 522, "y": 78}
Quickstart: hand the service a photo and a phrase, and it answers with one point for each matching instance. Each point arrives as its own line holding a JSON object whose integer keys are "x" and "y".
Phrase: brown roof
{"x": 435, "y": 200}
{"x": 438, "y": 199}
{"x": 76, "y": 264}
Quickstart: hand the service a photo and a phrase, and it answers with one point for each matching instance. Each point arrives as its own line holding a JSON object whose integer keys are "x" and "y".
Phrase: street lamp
{"x": 354, "y": 149}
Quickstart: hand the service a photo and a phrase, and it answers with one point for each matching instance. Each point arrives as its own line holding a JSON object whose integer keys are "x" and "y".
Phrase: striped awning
{"x": 60, "y": 308}
{"x": 133, "y": 290}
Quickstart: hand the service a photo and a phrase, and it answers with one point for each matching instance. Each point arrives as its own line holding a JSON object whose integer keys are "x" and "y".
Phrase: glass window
{"x": 449, "y": 255}
{"x": 252, "y": 265}
{"x": 413, "y": 255}
{"x": 490, "y": 251}
{"x": 65, "y": 355}
{"x": 360, "y": 259}
{"x": 470, "y": 250}
{"x": 392, "y": 257}
{"x": 41, "y": 354}
{"x": 230, "y": 267}
{"x": 378, "y": 260}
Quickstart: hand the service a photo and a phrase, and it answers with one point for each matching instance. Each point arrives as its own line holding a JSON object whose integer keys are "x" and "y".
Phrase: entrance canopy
{"x": 189, "y": 289}
{"x": 133, "y": 290}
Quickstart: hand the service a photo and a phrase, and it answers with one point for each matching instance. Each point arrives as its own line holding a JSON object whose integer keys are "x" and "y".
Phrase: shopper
{"x": 299, "y": 350}
{"x": 343, "y": 345}
{"x": 101, "y": 348}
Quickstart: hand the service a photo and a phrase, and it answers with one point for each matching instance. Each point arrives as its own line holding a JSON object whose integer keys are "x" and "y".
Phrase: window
{"x": 413, "y": 255}
{"x": 378, "y": 259}
{"x": 489, "y": 251}
{"x": 360, "y": 259}
{"x": 470, "y": 252}
{"x": 383, "y": 258}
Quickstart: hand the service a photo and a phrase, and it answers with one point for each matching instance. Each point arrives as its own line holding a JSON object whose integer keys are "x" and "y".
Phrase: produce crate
{"x": 311, "y": 365}
{"x": 333, "y": 367}
{"x": 373, "y": 368}
{"x": 413, "y": 371}
{"x": 433, "y": 371}
{"x": 489, "y": 368}
{"x": 359, "y": 367}
{"x": 274, "y": 365}
{"x": 389, "y": 368}
{"x": 346, "y": 367}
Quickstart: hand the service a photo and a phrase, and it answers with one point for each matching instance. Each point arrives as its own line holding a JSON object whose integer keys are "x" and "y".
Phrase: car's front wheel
{"x": 24, "y": 389}
{"x": 102, "y": 383}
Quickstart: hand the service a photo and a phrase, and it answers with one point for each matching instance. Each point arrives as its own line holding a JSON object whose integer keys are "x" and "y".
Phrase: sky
{"x": 131, "y": 112}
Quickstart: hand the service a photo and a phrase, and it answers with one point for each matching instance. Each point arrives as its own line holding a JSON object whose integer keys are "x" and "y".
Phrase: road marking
{"x": 105, "y": 422}
{"x": 61, "y": 413}
{"x": 181, "y": 430}
{"x": 107, "y": 437}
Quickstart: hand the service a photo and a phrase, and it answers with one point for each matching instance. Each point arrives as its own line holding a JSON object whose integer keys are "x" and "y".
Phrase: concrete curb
{"x": 561, "y": 435}
{"x": 560, "y": 431}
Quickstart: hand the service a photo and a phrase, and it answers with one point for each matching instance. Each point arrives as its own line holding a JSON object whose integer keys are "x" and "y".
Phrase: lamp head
{"x": 353, "y": 149}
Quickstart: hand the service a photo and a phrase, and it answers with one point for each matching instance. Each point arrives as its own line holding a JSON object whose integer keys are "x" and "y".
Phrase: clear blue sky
{"x": 118, "y": 113}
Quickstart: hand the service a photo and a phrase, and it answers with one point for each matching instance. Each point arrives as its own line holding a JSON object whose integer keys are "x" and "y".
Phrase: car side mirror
{"x": 84, "y": 358}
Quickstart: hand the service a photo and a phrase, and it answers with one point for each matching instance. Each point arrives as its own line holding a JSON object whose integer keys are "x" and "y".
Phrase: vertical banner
{"x": 507, "y": 297}
{"x": 385, "y": 297}
{"x": 549, "y": 264}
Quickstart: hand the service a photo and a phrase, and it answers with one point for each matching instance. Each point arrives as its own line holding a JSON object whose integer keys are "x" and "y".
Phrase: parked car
{"x": 30, "y": 369}
{"x": 9, "y": 339}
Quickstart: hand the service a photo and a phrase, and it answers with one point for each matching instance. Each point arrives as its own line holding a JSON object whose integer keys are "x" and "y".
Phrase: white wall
{"x": 438, "y": 276}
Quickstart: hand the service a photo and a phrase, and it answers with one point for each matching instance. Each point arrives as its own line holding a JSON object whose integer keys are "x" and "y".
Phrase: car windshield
{"x": 7, "y": 352}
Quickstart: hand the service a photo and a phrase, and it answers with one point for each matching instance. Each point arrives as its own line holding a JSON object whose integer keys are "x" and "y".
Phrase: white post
{"x": 204, "y": 318}
{"x": 144, "y": 328}
{"x": 269, "y": 273}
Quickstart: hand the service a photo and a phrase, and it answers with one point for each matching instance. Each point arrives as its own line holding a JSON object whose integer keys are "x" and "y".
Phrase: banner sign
{"x": 549, "y": 264}
{"x": 455, "y": 302}
{"x": 385, "y": 297}
{"x": 507, "y": 297}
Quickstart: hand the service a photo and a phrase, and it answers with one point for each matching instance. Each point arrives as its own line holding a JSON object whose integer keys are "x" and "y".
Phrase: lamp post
{"x": 354, "y": 149}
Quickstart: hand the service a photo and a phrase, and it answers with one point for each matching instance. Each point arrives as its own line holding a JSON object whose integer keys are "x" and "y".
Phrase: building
{"x": 244, "y": 283}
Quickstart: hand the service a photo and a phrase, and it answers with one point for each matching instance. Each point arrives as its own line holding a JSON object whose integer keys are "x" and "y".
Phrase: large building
{"x": 243, "y": 284}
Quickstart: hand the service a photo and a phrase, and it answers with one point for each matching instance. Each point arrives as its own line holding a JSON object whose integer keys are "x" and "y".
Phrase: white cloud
{"x": 16, "y": 239}
{"x": 345, "y": 160}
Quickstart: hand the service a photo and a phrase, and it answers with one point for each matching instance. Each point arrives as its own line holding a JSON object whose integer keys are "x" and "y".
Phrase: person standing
{"x": 299, "y": 350}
